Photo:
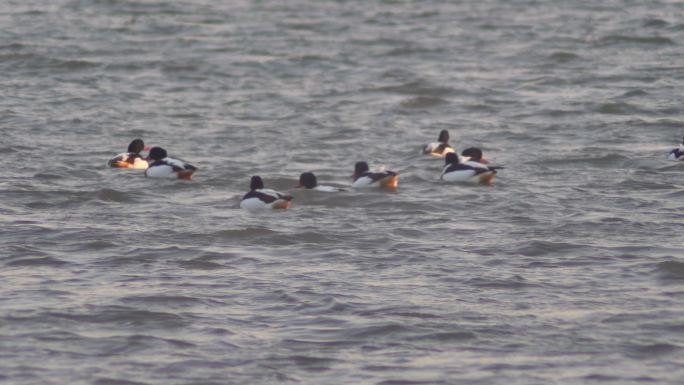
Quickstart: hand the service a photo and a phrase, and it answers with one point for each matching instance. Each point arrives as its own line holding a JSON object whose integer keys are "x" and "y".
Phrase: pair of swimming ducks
{"x": 468, "y": 166}
{"x": 156, "y": 164}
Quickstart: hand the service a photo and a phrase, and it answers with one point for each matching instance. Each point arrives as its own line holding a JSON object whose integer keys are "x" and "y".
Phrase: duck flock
{"x": 468, "y": 167}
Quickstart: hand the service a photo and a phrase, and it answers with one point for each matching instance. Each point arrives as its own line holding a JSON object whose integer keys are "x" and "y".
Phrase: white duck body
{"x": 468, "y": 171}
{"x": 438, "y": 149}
{"x": 170, "y": 168}
{"x": 326, "y": 188}
{"x": 387, "y": 179}
{"x": 265, "y": 199}
{"x": 441, "y": 147}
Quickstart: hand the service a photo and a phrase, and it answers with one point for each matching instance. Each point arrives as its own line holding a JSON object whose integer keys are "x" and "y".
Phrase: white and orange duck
{"x": 259, "y": 197}
{"x": 456, "y": 170}
{"x": 132, "y": 158}
{"x": 165, "y": 167}
{"x": 362, "y": 177}
{"x": 439, "y": 148}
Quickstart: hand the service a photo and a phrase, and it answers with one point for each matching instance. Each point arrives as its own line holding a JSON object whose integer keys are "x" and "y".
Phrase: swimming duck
{"x": 677, "y": 153}
{"x": 456, "y": 171}
{"x": 165, "y": 167}
{"x": 260, "y": 198}
{"x": 309, "y": 181}
{"x": 364, "y": 178}
{"x": 441, "y": 147}
{"x": 132, "y": 158}
{"x": 473, "y": 154}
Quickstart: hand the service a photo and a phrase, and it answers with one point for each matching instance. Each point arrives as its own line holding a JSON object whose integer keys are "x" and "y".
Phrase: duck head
{"x": 256, "y": 183}
{"x": 473, "y": 153}
{"x": 136, "y": 146}
{"x": 157, "y": 153}
{"x": 307, "y": 180}
{"x": 451, "y": 158}
{"x": 360, "y": 168}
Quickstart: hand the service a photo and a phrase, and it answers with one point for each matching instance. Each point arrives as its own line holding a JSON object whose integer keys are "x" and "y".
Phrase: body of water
{"x": 568, "y": 270}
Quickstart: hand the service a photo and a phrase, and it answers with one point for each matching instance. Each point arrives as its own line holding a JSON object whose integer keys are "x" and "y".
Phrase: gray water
{"x": 568, "y": 270}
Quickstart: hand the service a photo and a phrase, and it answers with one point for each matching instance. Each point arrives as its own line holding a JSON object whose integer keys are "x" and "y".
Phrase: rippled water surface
{"x": 568, "y": 270}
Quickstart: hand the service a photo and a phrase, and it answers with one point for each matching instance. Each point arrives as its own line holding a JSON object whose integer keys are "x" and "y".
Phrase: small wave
{"x": 384, "y": 368}
{"x": 422, "y": 102}
{"x": 655, "y": 23}
{"x": 516, "y": 282}
{"x": 309, "y": 59}
{"x": 200, "y": 264}
{"x": 110, "y": 195}
{"x": 652, "y": 350}
{"x": 415, "y": 88}
{"x": 624, "y": 318}
{"x": 601, "y": 378}
{"x": 540, "y": 248}
{"x": 605, "y": 161}
{"x": 410, "y": 382}
{"x": 662, "y": 123}
{"x": 33, "y": 61}
{"x": 173, "y": 68}
{"x": 122, "y": 261}
{"x": 12, "y": 47}
{"x": 445, "y": 336}
{"x": 633, "y": 184}
{"x": 20, "y": 57}
{"x": 176, "y": 343}
{"x": 385, "y": 330}
{"x": 164, "y": 300}
{"x": 416, "y": 315}
{"x": 310, "y": 360}
{"x": 635, "y": 40}
{"x": 114, "y": 381}
{"x": 304, "y": 26}
{"x": 479, "y": 107}
{"x": 311, "y": 344}
{"x": 42, "y": 261}
{"x": 634, "y": 94}
{"x": 244, "y": 233}
{"x": 74, "y": 64}
{"x": 557, "y": 113}
{"x": 325, "y": 307}
{"x": 409, "y": 51}
{"x": 54, "y": 335}
{"x": 616, "y": 109}
{"x": 132, "y": 66}
{"x": 98, "y": 245}
{"x": 125, "y": 316}
{"x": 312, "y": 237}
{"x": 47, "y": 176}
{"x": 675, "y": 195}
{"x": 676, "y": 327}
{"x": 671, "y": 270}
{"x": 23, "y": 250}
{"x": 564, "y": 57}
{"x": 185, "y": 115}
